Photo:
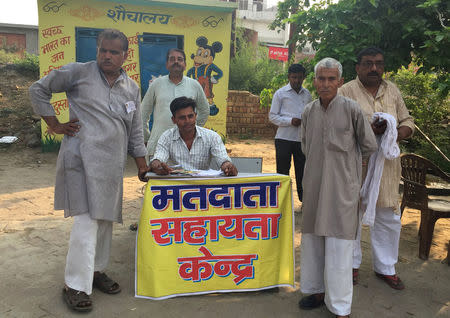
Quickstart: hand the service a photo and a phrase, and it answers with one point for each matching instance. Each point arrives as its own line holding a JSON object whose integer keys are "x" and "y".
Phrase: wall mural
{"x": 205, "y": 71}
{"x": 66, "y": 27}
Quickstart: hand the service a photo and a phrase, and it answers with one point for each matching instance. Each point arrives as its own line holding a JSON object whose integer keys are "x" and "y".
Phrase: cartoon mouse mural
{"x": 204, "y": 67}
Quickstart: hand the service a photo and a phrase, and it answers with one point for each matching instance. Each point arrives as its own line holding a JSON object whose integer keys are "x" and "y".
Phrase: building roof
{"x": 213, "y": 5}
{"x": 18, "y": 26}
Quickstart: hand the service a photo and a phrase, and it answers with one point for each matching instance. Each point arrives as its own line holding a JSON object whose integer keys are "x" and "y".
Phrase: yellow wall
{"x": 57, "y": 23}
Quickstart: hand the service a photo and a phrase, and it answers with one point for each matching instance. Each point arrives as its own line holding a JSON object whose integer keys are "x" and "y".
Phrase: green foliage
{"x": 399, "y": 27}
{"x": 28, "y": 65}
{"x": 7, "y": 57}
{"x": 430, "y": 111}
{"x": 266, "y": 95}
{"x": 251, "y": 69}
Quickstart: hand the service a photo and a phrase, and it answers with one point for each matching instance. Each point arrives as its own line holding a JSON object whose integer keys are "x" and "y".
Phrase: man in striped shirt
{"x": 188, "y": 145}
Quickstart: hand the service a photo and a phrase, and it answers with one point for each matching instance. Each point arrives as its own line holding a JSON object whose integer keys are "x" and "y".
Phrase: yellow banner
{"x": 200, "y": 236}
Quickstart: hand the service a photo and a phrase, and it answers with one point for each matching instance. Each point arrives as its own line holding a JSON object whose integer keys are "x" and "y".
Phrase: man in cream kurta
{"x": 334, "y": 137}
{"x": 105, "y": 124}
{"x": 160, "y": 94}
{"x": 375, "y": 94}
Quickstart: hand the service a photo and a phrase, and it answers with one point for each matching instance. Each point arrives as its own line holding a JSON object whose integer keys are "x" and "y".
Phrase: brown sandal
{"x": 105, "y": 284}
{"x": 77, "y": 300}
{"x": 392, "y": 280}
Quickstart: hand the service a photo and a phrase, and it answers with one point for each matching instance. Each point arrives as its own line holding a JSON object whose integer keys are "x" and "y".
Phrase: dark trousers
{"x": 284, "y": 150}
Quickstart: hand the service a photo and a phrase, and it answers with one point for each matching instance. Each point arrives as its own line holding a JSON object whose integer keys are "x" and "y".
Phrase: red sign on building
{"x": 278, "y": 53}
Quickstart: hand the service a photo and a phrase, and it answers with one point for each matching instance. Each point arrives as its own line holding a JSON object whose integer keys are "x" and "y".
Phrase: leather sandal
{"x": 392, "y": 280}
{"x": 311, "y": 301}
{"x": 77, "y": 300}
{"x": 105, "y": 284}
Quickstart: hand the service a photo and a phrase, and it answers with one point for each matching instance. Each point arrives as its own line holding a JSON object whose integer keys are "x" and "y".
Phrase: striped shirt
{"x": 207, "y": 146}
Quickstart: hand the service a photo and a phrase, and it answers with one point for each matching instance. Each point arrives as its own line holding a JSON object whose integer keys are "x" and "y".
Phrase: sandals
{"x": 392, "y": 280}
{"x": 311, "y": 301}
{"x": 105, "y": 284}
{"x": 77, "y": 300}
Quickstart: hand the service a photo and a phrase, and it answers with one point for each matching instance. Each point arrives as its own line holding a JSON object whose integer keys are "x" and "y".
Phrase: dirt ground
{"x": 34, "y": 238}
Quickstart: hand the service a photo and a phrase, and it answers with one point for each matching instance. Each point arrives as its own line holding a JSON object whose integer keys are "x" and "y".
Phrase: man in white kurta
{"x": 160, "y": 94}
{"x": 374, "y": 94}
{"x": 334, "y": 136}
{"x": 105, "y": 124}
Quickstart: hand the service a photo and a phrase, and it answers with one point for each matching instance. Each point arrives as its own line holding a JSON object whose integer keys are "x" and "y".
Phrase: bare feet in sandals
{"x": 77, "y": 300}
{"x": 105, "y": 284}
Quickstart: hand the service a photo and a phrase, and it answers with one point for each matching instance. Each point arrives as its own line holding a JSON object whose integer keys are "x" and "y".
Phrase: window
{"x": 243, "y": 5}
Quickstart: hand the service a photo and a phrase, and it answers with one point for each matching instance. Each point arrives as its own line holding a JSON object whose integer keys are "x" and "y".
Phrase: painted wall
{"x": 59, "y": 20}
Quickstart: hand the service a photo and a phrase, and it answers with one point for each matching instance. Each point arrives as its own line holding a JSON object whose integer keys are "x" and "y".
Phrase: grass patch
{"x": 50, "y": 144}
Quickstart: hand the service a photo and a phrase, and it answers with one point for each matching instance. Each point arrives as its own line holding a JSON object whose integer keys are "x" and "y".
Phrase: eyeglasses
{"x": 370, "y": 64}
{"x": 178, "y": 59}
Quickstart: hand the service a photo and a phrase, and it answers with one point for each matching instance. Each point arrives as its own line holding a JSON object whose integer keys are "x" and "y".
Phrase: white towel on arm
{"x": 387, "y": 149}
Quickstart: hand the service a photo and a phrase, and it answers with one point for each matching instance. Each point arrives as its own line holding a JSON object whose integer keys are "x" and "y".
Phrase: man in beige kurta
{"x": 375, "y": 94}
{"x": 334, "y": 135}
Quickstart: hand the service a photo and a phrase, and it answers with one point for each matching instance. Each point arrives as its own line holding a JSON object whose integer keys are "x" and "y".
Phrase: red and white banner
{"x": 278, "y": 53}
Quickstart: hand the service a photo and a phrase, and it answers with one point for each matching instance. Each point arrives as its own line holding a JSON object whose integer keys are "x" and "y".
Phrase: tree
{"x": 250, "y": 68}
{"x": 404, "y": 29}
{"x": 430, "y": 112}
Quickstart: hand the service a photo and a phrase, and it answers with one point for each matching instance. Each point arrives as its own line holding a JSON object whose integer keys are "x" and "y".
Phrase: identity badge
{"x": 130, "y": 106}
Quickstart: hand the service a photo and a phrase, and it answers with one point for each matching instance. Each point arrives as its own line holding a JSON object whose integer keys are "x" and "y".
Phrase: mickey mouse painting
{"x": 204, "y": 67}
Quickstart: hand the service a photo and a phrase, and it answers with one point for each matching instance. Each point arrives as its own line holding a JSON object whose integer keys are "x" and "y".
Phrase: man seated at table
{"x": 188, "y": 145}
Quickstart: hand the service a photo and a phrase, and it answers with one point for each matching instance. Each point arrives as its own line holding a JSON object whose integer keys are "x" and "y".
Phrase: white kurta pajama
{"x": 387, "y": 216}
{"x": 333, "y": 140}
{"x": 161, "y": 92}
{"x": 90, "y": 166}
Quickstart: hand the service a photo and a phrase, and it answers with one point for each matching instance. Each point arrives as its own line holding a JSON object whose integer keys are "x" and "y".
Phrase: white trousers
{"x": 385, "y": 237}
{"x": 89, "y": 248}
{"x": 326, "y": 267}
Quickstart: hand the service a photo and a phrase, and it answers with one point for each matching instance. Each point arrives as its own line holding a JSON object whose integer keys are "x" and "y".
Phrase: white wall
{"x": 259, "y": 21}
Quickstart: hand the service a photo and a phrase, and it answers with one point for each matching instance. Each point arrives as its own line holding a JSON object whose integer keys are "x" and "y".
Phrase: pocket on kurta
{"x": 75, "y": 183}
{"x": 340, "y": 139}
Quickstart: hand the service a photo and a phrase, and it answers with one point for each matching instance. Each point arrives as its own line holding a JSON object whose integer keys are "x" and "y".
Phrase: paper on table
{"x": 208, "y": 173}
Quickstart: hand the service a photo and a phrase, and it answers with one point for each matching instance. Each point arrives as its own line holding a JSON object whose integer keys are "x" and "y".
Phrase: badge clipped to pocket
{"x": 130, "y": 106}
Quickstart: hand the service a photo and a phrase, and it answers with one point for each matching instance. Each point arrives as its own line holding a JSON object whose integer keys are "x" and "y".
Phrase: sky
{"x": 19, "y": 12}
{"x": 25, "y": 11}
{"x": 271, "y": 3}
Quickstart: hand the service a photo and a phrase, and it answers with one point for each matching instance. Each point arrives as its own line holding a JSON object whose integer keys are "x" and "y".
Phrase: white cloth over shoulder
{"x": 387, "y": 149}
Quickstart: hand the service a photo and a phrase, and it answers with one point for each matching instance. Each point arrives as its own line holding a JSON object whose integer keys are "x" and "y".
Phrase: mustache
{"x": 373, "y": 74}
